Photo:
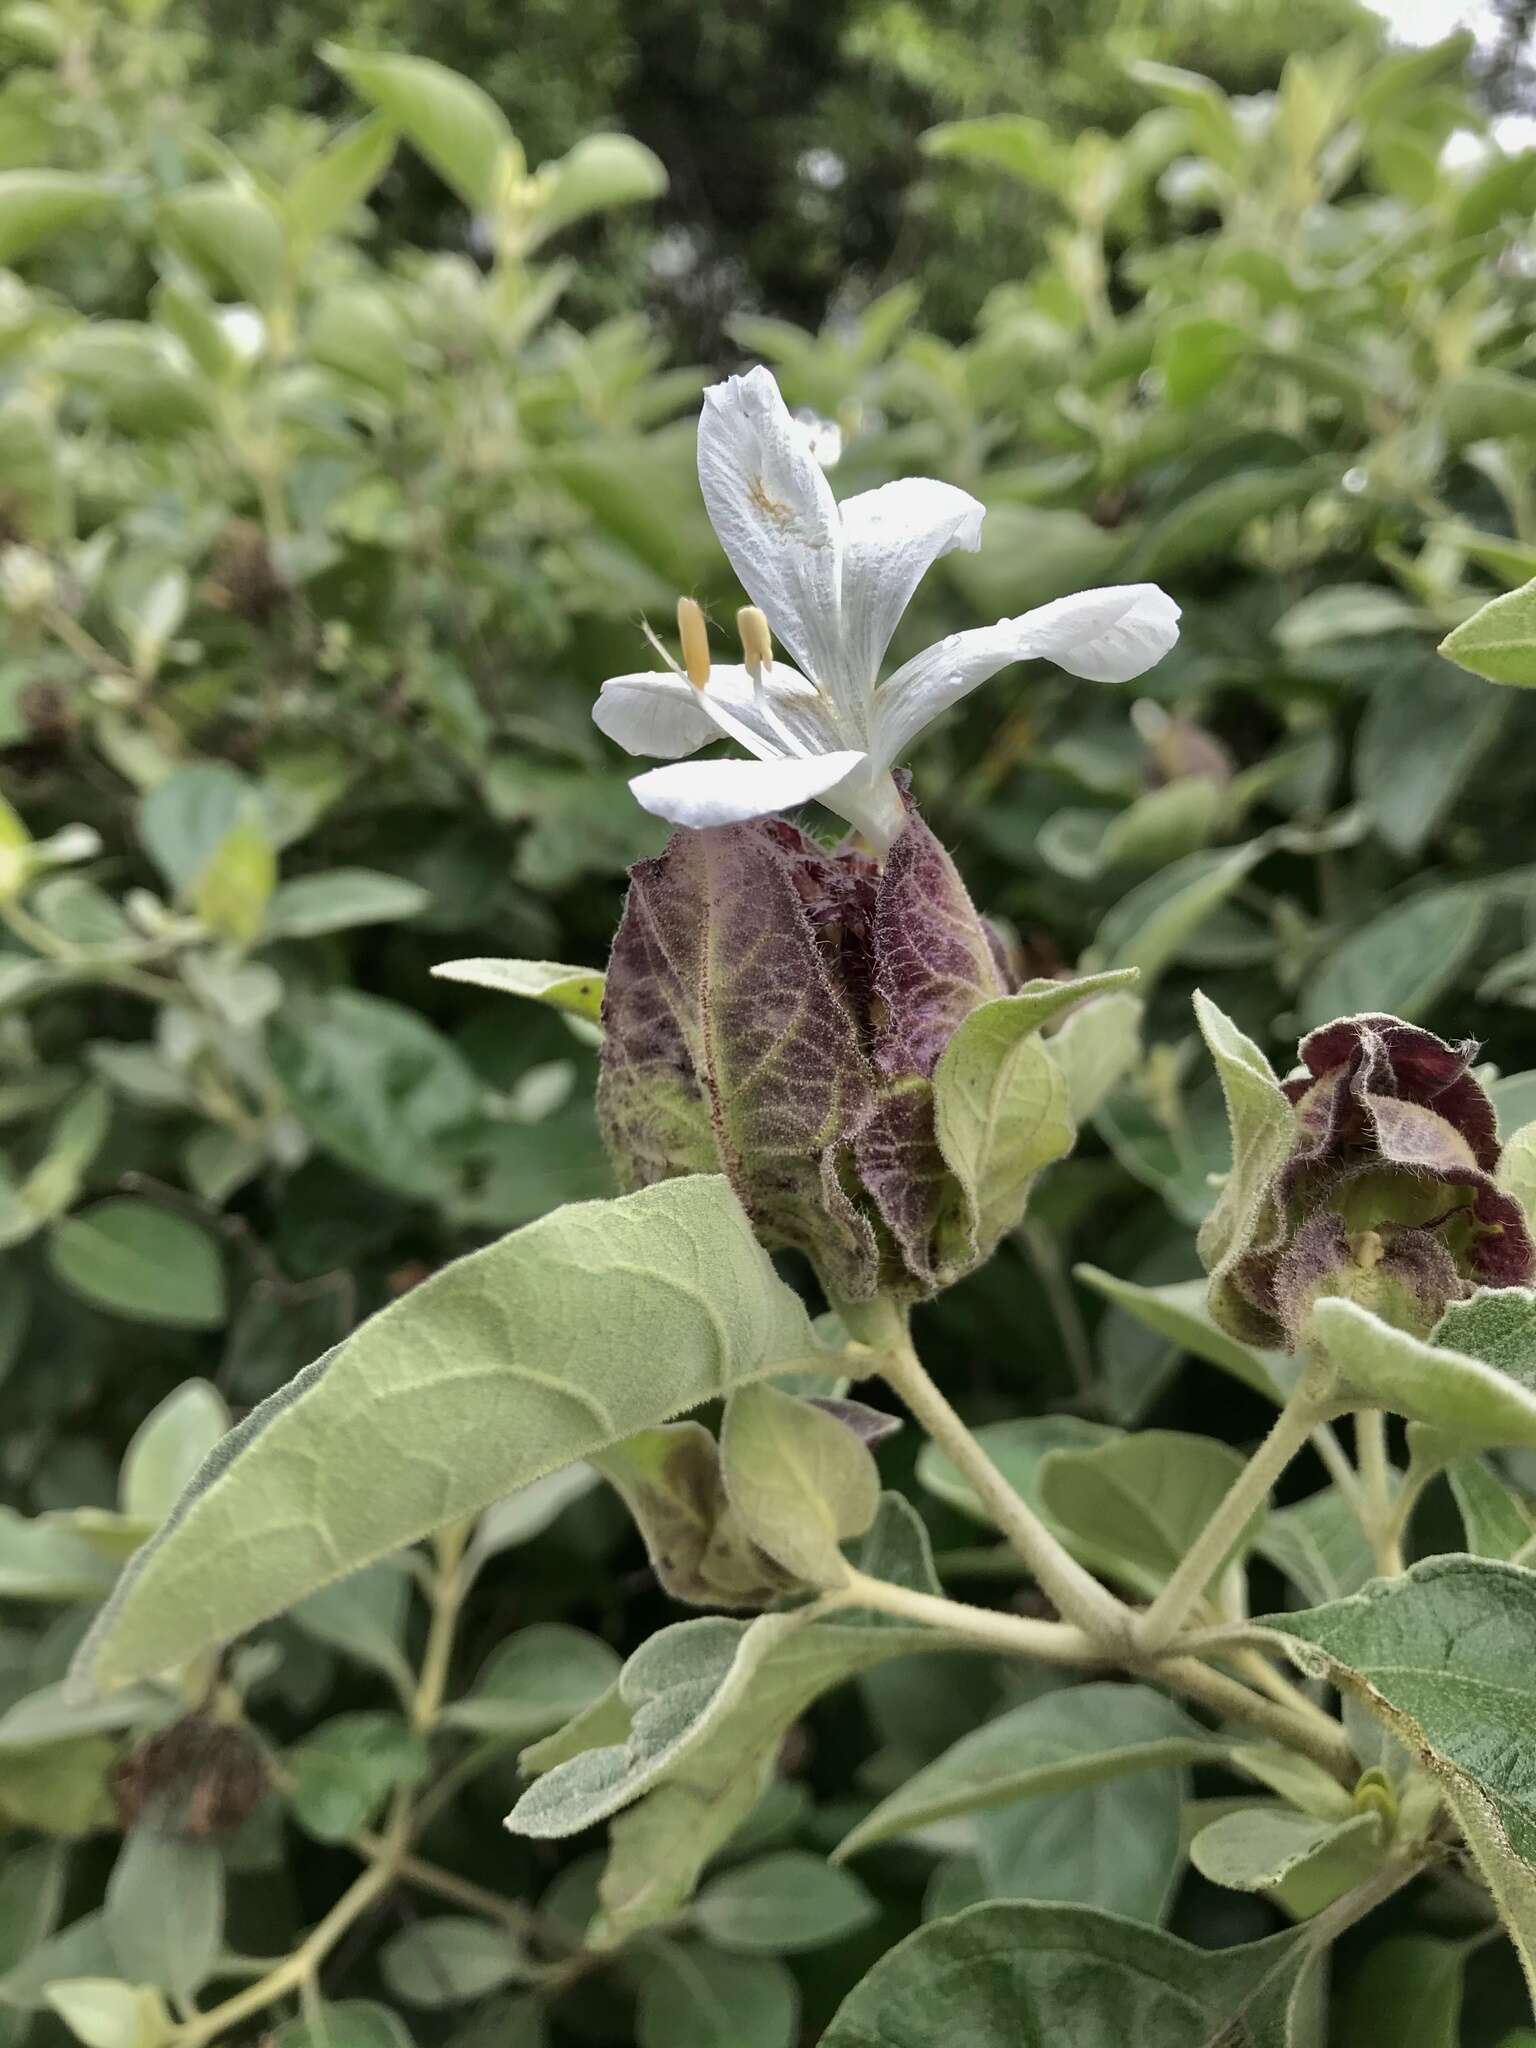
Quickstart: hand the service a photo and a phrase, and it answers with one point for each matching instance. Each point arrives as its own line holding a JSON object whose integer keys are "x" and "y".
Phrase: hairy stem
{"x": 1246, "y": 1496}
{"x": 1018, "y": 1635}
{"x": 1075, "y": 1592}
{"x": 1378, "y": 1490}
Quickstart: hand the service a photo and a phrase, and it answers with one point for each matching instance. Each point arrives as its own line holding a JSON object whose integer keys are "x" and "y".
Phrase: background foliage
{"x": 337, "y": 463}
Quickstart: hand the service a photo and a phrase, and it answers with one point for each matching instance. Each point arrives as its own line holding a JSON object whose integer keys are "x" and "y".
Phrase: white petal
{"x": 891, "y": 538}
{"x": 871, "y": 802}
{"x": 657, "y": 714}
{"x": 775, "y": 515}
{"x": 703, "y": 793}
{"x": 1107, "y": 636}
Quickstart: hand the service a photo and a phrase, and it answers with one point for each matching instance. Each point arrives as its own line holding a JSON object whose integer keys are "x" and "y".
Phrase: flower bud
{"x": 199, "y": 1778}
{"x": 775, "y": 1012}
{"x": 1387, "y": 1194}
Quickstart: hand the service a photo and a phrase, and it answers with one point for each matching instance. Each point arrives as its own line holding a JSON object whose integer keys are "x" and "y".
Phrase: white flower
{"x": 833, "y": 580}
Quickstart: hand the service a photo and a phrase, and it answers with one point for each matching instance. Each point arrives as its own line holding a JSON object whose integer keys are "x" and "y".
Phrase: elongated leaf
{"x": 800, "y": 1480}
{"x": 781, "y": 1904}
{"x": 37, "y": 204}
{"x": 230, "y": 232}
{"x": 165, "y": 1910}
{"x": 1025, "y": 1968}
{"x": 577, "y": 989}
{"x": 1084, "y": 1735}
{"x": 1246, "y": 1214}
{"x": 1305, "y": 1864}
{"x": 1499, "y": 642}
{"x": 533, "y": 1682}
{"x": 1177, "y": 1310}
{"x": 339, "y": 900}
{"x": 1496, "y": 1521}
{"x": 459, "y": 129}
{"x": 136, "y": 1259}
{"x": 1400, "y": 961}
{"x": 596, "y": 1321}
{"x": 1319, "y": 1545}
{"x": 1455, "y": 1391}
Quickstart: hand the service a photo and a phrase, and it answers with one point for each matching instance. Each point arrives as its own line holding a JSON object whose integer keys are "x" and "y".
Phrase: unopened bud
{"x": 694, "y": 635}
{"x": 756, "y": 640}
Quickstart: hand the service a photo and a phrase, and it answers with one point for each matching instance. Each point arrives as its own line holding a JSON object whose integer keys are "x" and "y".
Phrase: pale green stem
{"x": 1018, "y": 1635}
{"x": 1378, "y": 1516}
{"x": 1077, "y": 1595}
{"x": 1244, "y": 1499}
{"x": 1336, "y": 1460}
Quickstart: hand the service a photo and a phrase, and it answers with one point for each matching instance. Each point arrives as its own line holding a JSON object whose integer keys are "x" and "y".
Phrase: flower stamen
{"x": 694, "y": 635}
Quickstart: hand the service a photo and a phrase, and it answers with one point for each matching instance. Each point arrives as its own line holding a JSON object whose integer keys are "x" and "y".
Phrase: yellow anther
{"x": 1369, "y": 1248}
{"x": 756, "y": 640}
{"x": 694, "y": 635}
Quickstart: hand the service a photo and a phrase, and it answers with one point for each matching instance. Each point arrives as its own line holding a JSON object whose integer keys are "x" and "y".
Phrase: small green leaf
{"x": 459, "y": 129}
{"x": 534, "y": 1682}
{"x": 102, "y": 2013}
{"x": 694, "y": 1997}
{"x": 1262, "y": 1124}
{"x": 363, "y": 1616}
{"x": 1082, "y": 1735}
{"x": 1407, "y": 1989}
{"x": 598, "y": 173}
{"x": 1304, "y": 1864}
{"x": 599, "y": 1320}
{"x": 46, "y": 1560}
{"x": 343, "y": 1772}
{"x": 230, "y": 233}
{"x": 340, "y": 900}
{"x": 232, "y": 892}
{"x": 577, "y": 989}
{"x": 1497, "y": 1523}
{"x": 1400, "y": 961}
{"x": 165, "y": 1911}
{"x": 451, "y": 1960}
{"x": 1095, "y": 1048}
{"x": 1149, "y": 928}
{"x": 185, "y": 818}
{"x": 1017, "y": 1449}
{"x": 1499, "y": 642}
{"x": 37, "y": 204}
{"x": 1001, "y": 1104}
{"x": 800, "y": 1480}
{"x": 167, "y": 1448}
{"x": 782, "y": 1904}
{"x": 1133, "y": 1506}
{"x": 138, "y": 1260}
{"x": 324, "y": 192}
{"x": 1319, "y": 1545}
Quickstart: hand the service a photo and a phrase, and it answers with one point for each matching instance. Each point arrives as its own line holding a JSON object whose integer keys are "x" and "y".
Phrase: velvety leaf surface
{"x": 599, "y": 1320}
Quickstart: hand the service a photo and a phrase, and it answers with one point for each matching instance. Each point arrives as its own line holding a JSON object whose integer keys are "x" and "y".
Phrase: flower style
{"x": 1386, "y": 1193}
{"x": 832, "y": 581}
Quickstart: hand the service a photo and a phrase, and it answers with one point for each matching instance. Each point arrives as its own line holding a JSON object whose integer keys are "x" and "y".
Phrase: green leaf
{"x": 1001, "y": 1103}
{"x": 1095, "y": 1048}
{"x": 577, "y": 989}
{"x": 344, "y": 1770}
{"x": 233, "y": 890}
{"x": 1114, "y": 1845}
{"x": 1304, "y": 1864}
{"x": 594, "y": 1322}
{"x": 339, "y": 900}
{"x": 1081, "y": 1735}
{"x": 1262, "y": 1123}
{"x": 378, "y": 1087}
{"x": 165, "y": 1911}
{"x": 693, "y": 1997}
{"x": 699, "y": 1546}
{"x": 1400, "y": 961}
{"x": 1150, "y": 927}
{"x": 706, "y": 1705}
{"x": 1407, "y": 1989}
{"x": 1024, "y": 1967}
{"x": 534, "y": 1682}
{"x": 231, "y": 234}
{"x": 1469, "y": 1399}
{"x": 58, "y": 1788}
{"x": 1132, "y": 1507}
{"x": 323, "y": 193}
{"x": 185, "y": 819}
{"x": 1344, "y": 611}
{"x": 1423, "y": 733}
{"x": 31, "y": 1893}
{"x": 459, "y": 129}
{"x": 103, "y": 2013}
{"x": 46, "y": 1560}
{"x": 1499, "y": 642}
{"x": 1178, "y": 1311}
{"x": 1017, "y": 1449}
{"x": 1319, "y": 1545}
{"x": 350, "y": 2023}
{"x": 363, "y": 1616}
{"x": 141, "y": 1261}
{"x": 37, "y": 204}
{"x": 599, "y": 172}
{"x": 1016, "y": 143}
{"x": 1497, "y": 1523}
{"x": 167, "y": 1448}
{"x": 782, "y": 1904}
{"x": 451, "y": 1960}
{"x": 1441, "y": 1659}
{"x": 800, "y": 1480}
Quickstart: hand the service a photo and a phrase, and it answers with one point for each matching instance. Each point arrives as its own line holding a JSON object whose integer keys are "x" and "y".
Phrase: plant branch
{"x": 1378, "y": 1489}
{"x": 1292, "y": 1428}
{"x": 1075, "y": 1592}
{"x": 1017, "y": 1635}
